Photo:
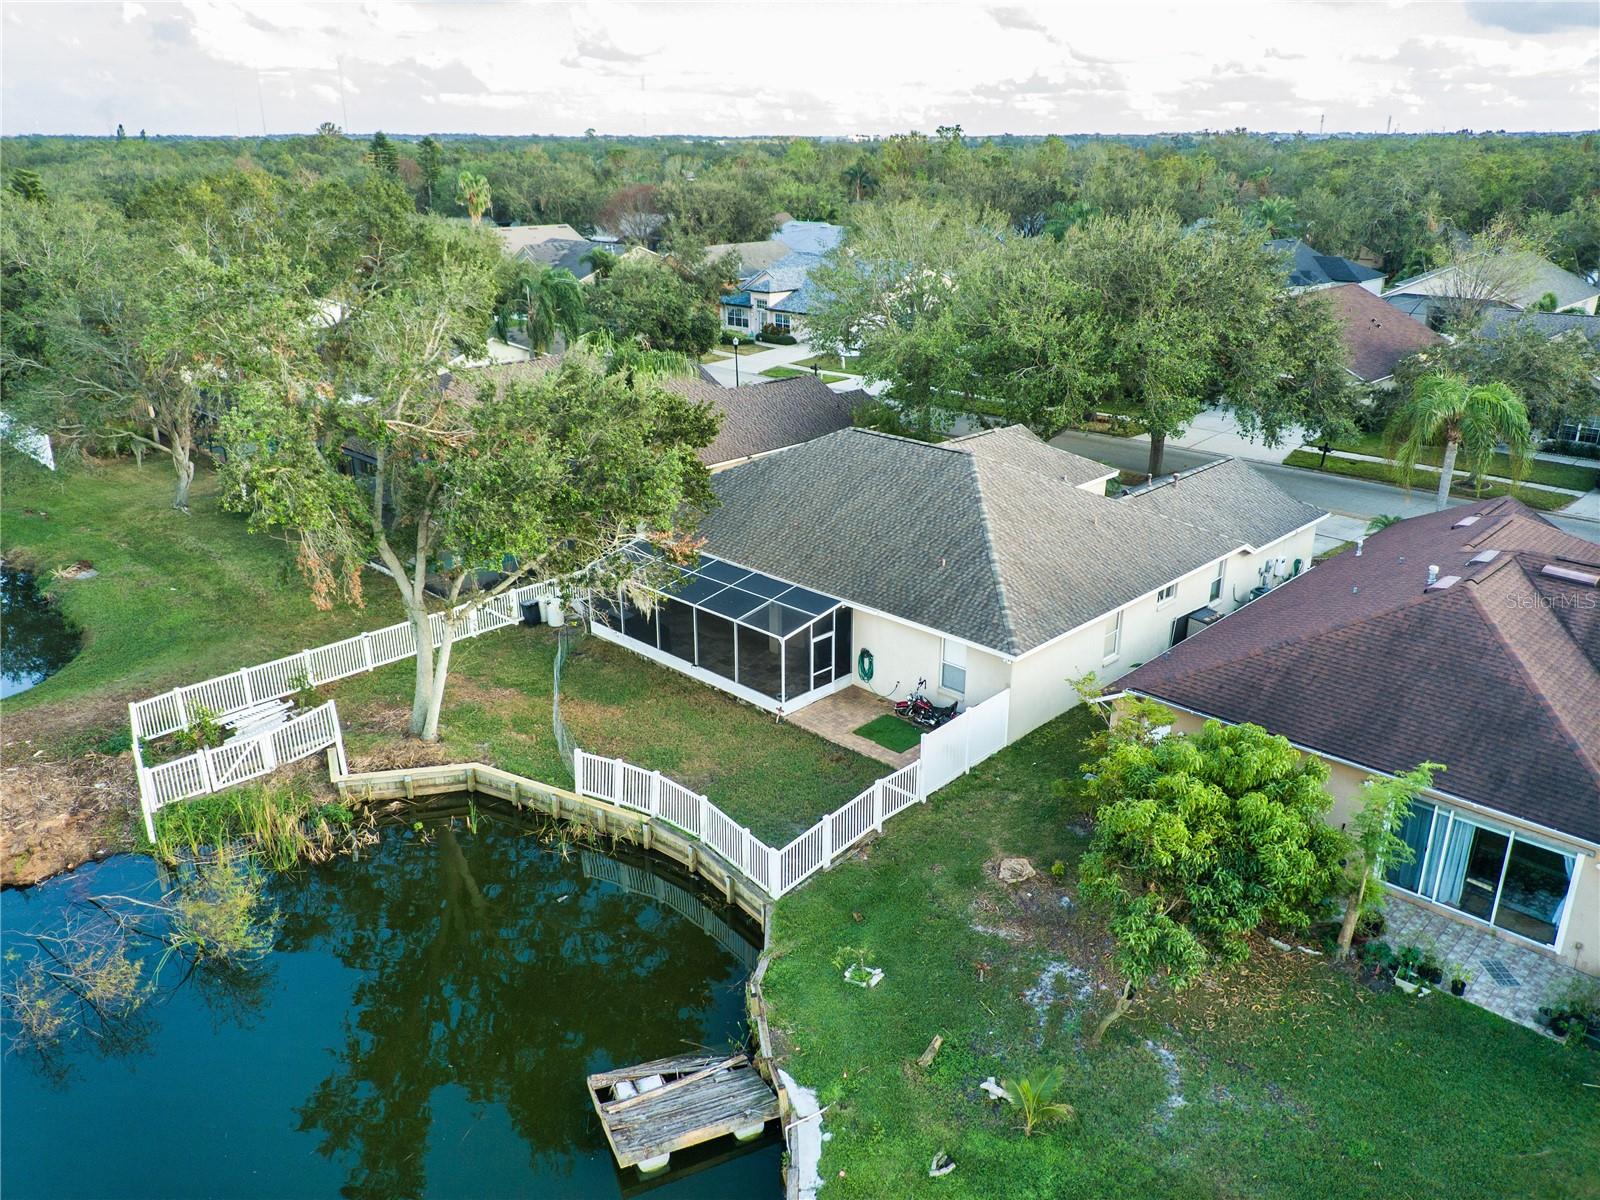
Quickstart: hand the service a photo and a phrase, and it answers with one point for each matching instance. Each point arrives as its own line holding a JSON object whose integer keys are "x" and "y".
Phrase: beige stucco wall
{"x": 1581, "y": 940}
{"x": 1039, "y": 687}
{"x": 903, "y": 654}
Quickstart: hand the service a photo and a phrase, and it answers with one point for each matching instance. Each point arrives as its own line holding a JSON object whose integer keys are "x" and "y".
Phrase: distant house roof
{"x": 1542, "y": 277}
{"x": 1308, "y": 269}
{"x": 752, "y": 256}
{"x": 991, "y": 538}
{"x": 1496, "y": 321}
{"x": 769, "y": 416}
{"x": 810, "y": 237}
{"x": 1376, "y": 335}
{"x": 516, "y": 238}
{"x": 1496, "y": 675}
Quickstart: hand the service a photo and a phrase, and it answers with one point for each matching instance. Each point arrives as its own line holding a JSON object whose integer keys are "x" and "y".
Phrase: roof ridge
{"x": 1006, "y": 620}
{"x": 1302, "y": 637}
{"x": 1492, "y": 615}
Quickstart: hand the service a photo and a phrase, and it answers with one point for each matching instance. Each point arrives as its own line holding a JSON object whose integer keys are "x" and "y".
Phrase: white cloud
{"x": 793, "y": 68}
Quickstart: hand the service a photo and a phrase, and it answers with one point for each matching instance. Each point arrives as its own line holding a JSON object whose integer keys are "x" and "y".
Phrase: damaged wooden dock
{"x": 654, "y": 1108}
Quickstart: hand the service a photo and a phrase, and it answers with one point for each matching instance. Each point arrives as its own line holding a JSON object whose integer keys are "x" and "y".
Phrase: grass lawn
{"x": 829, "y": 377}
{"x": 1331, "y": 551}
{"x": 711, "y": 356}
{"x": 1551, "y": 474}
{"x": 783, "y": 372}
{"x": 832, "y": 362}
{"x": 1424, "y": 480}
{"x": 746, "y": 346}
{"x": 178, "y": 599}
{"x": 1279, "y": 1078}
{"x": 890, "y": 732}
{"x": 775, "y": 778}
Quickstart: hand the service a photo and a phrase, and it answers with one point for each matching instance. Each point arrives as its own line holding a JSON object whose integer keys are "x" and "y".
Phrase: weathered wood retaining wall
{"x": 605, "y": 819}
{"x": 420, "y": 783}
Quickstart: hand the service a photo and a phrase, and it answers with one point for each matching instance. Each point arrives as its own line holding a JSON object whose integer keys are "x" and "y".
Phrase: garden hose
{"x": 864, "y": 665}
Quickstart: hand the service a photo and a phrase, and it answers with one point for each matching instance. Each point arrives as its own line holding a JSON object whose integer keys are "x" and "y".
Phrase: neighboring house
{"x": 1469, "y": 637}
{"x": 981, "y": 564}
{"x": 1428, "y": 296}
{"x": 774, "y": 285}
{"x": 1552, "y": 325}
{"x": 560, "y": 247}
{"x": 1376, "y": 336}
{"x": 770, "y": 416}
{"x": 1309, "y": 270}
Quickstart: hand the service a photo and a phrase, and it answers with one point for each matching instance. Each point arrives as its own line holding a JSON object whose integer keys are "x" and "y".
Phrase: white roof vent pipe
{"x": 1433, "y": 573}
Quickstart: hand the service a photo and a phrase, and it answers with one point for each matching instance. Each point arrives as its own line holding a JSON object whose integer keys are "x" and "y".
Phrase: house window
{"x": 1216, "y": 580}
{"x": 738, "y": 318}
{"x": 1113, "y": 642}
{"x": 953, "y": 667}
{"x": 781, "y": 320}
{"x": 1165, "y": 595}
{"x": 1493, "y": 875}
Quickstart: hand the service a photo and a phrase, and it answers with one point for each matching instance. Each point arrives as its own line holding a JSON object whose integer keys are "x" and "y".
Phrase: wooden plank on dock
{"x": 702, "y": 1097}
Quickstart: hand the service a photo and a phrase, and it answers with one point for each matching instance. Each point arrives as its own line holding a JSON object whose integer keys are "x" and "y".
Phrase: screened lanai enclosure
{"x": 769, "y": 642}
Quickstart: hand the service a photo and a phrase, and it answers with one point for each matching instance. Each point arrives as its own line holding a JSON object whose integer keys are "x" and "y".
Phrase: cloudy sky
{"x": 797, "y": 67}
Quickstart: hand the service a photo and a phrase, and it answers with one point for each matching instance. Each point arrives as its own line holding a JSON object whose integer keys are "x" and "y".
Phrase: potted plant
{"x": 1407, "y": 961}
{"x": 1459, "y": 978}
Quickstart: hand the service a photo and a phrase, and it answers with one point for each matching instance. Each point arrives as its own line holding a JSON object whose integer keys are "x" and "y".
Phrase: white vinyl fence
{"x": 961, "y": 745}
{"x": 245, "y": 758}
{"x": 954, "y": 749}
{"x": 237, "y": 760}
{"x": 946, "y": 753}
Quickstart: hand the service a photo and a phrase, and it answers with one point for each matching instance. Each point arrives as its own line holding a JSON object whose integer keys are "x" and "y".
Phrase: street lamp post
{"x": 735, "y": 360}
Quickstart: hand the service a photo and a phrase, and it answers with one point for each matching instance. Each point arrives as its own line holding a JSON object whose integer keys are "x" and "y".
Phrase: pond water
{"x": 422, "y": 1027}
{"x": 36, "y": 641}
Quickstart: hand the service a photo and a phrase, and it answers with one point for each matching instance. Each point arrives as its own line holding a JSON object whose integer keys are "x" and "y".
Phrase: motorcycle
{"x": 919, "y": 710}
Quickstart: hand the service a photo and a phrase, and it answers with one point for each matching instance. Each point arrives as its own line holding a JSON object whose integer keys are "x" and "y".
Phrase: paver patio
{"x": 836, "y": 718}
{"x": 1507, "y": 979}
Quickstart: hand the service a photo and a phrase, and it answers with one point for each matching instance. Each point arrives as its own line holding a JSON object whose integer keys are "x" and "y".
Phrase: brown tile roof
{"x": 1376, "y": 334}
{"x": 763, "y": 417}
{"x": 1496, "y": 675}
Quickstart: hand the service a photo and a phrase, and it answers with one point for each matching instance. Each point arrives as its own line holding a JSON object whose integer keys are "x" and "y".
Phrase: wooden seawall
{"x": 420, "y": 783}
{"x": 607, "y": 820}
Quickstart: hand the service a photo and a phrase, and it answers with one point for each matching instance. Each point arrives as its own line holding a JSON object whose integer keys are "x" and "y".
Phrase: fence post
{"x": 145, "y": 805}
{"x": 877, "y": 806}
{"x": 577, "y": 770}
{"x": 827, "y": 841}
{"x": 700, "y": 821}
{"x": 249, "y": 690}
{"x": 655, "y": 793}
{"x": 305, "y": 666}
{"x": 366, "y": 648}
{"x": 269, "y": 753}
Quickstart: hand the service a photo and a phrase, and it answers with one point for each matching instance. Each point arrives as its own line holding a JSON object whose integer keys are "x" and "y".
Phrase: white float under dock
{"x": 652, "y": 1109}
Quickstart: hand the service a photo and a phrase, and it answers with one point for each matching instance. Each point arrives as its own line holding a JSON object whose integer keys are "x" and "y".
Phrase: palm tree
{"x": 1277, "y": 214}
{"x": 473, "y": 192}
{"x": 599, "y": 260}
{"x": 860, "y": 178}
{"x": 1468, "y": 420}
{"x": 1034, "y": 1096}
{"x": 553, "y": 303}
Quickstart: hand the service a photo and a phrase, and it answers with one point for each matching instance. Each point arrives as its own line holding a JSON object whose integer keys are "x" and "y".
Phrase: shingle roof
{"x": 1308, "y": 269}
{"x": 1497, "y": 321}
{"x": 1543, "y": 276}
{"x": 1376, "y": 335}
{"x": 770, "y": 416}
{"x": 753, "y": 256}
{"x": 988, "y": 538}
{"x": 1497, "y": 675}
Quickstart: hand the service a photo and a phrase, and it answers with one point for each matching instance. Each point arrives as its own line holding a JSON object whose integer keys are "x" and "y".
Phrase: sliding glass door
{"x": 1492, "y": 874}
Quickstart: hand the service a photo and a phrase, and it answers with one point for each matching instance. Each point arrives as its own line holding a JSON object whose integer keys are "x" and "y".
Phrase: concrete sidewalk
{"x": 751, "y": 365}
